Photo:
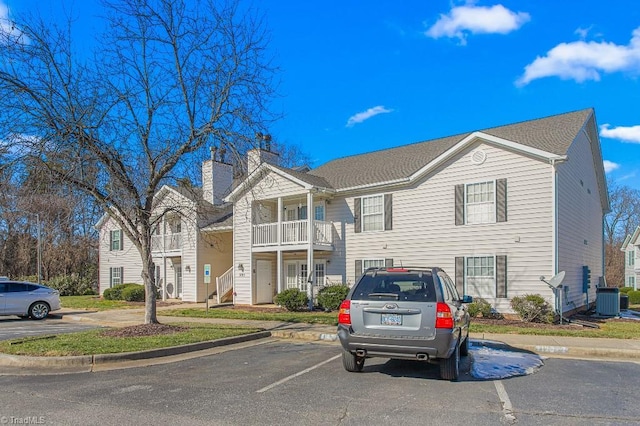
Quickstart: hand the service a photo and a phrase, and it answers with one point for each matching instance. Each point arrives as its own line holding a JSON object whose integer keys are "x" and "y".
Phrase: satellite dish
{"x": 556, "y": 280}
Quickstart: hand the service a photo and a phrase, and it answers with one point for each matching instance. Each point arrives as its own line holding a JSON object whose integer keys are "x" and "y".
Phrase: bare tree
{"x": 169, "y": 78}
{"x": 620, "y": 222}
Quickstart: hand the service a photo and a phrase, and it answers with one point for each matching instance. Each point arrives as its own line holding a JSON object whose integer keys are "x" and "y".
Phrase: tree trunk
{"x": 148, "y": 277}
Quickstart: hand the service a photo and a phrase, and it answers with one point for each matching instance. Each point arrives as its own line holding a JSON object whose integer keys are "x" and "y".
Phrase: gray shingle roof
{"x": 553, "y": 134}
{"x": 311, "y": 179}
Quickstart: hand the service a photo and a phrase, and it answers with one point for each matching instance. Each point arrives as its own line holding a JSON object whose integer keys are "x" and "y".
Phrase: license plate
{"x": 391, "y": 319}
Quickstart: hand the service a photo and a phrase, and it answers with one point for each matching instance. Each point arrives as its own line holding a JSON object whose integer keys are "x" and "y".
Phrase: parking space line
{"x": 507, "y": 408}
{"x": 299, "y": 373}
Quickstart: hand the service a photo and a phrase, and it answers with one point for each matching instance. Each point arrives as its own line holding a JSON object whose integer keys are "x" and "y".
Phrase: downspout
{"x": 554, "y": 236}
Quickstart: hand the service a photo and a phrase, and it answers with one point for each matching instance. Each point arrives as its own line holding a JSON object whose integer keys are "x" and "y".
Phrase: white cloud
{"x": 625, "y": 134}
{"x": 472, "y": 19}
{"x": 610, "y": 166}
{"x": 365, "y": 115}
{"x": 582, "y": 32}
{"x": 582, "y": 60}
{"x": 8, "y": 30}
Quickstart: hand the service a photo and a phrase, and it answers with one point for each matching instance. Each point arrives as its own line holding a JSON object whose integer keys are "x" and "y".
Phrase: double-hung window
{"x": 115, "y": 276}
{"x": 373, "y": 213}
{"x": 480, "y": 200}
{"x": 480, "y": 276}
{"x": 372, "y": 263}
{"x": 631, "y": 255}
{"x": 116, "y": 240}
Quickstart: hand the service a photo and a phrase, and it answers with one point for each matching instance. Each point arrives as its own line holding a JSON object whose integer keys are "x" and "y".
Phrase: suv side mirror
{"x": 467, "y": 299}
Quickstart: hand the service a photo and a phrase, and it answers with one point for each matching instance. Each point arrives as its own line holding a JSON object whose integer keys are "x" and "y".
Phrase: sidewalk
{"x": 546, "y": 346}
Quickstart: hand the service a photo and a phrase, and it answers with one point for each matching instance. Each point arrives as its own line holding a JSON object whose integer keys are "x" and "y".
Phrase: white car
{"x": 27, "y": 299}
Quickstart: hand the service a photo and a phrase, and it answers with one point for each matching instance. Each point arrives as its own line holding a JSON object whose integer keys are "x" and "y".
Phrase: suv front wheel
{"x": 351, "y": 362}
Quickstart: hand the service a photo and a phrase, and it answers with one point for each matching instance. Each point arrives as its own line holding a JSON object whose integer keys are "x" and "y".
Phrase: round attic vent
{"x": 478, "y": 156}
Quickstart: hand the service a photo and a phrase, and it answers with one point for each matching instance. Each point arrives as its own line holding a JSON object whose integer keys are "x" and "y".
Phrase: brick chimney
{"x": 217, "y": 178}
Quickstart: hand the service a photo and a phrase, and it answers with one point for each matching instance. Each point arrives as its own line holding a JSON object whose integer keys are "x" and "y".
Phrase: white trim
{"x": 257, "y": 173}
{"x": 381, "y": 196}
{"x": 374, "y": 259}
{"x": 495, "y": 273}
{"x": 554, "y": 226}
{"x": 495, "y": 202}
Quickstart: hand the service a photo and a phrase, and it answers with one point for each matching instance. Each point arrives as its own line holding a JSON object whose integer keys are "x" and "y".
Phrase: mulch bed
{"x": 144, "y": 330}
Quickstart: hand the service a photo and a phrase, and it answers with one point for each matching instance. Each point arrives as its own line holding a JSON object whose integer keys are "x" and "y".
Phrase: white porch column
{"x": 164, "y": 281}
{"x": 279, "y": 252}
{"x": 310, "y": 237}
{"x": 279, "y": 230}
{"x": 279, "y": 269}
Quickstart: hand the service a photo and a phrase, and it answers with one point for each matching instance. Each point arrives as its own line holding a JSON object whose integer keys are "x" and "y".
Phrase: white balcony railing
{"x": 265, "y": 234}
{"x": 167, "y": 242}
{"x": 292, "y": 232}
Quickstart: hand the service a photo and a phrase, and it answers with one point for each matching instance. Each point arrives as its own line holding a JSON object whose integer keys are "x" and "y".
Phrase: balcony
{"x": 166, "y": 243}
{"x": 293, "y": 232}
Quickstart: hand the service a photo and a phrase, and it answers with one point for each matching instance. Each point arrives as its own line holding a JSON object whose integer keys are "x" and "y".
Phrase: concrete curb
{"x": 86, "y": 362}
{"x": 617, "y": 354}
{"x": 304, "y": 335}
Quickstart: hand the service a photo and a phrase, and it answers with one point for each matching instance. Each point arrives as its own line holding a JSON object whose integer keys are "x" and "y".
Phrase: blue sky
{"x": 359, "y": 75}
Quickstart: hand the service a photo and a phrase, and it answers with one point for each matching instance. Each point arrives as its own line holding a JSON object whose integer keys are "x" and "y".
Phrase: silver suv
{"x": 404, "y": 313}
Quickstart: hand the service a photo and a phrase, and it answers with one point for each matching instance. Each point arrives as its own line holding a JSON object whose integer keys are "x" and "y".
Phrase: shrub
{"x": 532, "y": 308}
{"x": 626, "y": 289}
{"x": 634, "y": 297}
{"x": 332, "y": 296}
{"x": 292, "y": 299}
{"x": 133, "y": 293}
{"x": 71, "y": 285}
{"x": 115, "y": 292}
{"x": 479, "y": 306}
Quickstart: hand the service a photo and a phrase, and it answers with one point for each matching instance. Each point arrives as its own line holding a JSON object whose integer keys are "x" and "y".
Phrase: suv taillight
{"x": 444, "y": 318}
{"x": 344, "y": 314}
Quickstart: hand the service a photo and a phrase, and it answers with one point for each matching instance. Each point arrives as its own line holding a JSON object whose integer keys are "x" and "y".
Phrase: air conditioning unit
{"x": 607, "y": 301}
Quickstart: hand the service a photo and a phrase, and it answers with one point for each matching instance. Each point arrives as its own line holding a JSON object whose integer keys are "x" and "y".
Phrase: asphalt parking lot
{"x": 12, "y": 327}
{"x": 300, "y": 383}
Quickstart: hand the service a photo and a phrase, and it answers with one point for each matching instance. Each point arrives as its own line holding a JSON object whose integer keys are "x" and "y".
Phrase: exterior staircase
{"x": 224, "y": 287}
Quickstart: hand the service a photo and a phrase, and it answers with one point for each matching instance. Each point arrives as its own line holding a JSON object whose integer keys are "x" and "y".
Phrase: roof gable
{"x": 635, "y": 237}
{"x": 305, "y": 180}
{"x": 544, "y": 137}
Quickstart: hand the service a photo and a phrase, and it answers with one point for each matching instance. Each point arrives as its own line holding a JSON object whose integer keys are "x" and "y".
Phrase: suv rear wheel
{"x": 464, "y": 347}
{"x": 351, "y": 362}
{"x": 450, "y": 367}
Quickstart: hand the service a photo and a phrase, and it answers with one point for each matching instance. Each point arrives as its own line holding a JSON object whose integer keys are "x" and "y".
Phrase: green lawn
{"x": 94, "y": 342}
{"x": 611, "y": 329}
{"x": 94, "y": 302}
{"x": 327, "y": 318}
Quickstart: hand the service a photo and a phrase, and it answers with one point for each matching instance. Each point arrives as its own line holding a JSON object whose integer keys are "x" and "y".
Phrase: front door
{"x": 264, "y": 292}
{"x": 296, "y": 275}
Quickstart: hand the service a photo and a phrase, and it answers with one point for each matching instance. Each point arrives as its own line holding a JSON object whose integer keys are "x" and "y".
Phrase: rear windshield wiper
{"x": 387, "y": 295}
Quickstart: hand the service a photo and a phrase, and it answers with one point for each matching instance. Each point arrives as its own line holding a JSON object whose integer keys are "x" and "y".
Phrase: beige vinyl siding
{"x": 128, "y": 258}
{"x": 630, "y": 270}
{"x": 580, "y": 218}
{"x": 424, "y": 231}
{"x": 340, "y": 214}
{"x": 188, "y": 257}
{"x": 242, "y": 249}
{"x": 215, "y": 249}
{"x": 269, "y": 187}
